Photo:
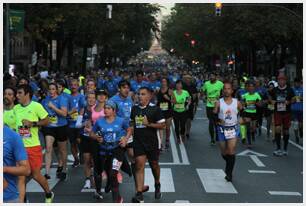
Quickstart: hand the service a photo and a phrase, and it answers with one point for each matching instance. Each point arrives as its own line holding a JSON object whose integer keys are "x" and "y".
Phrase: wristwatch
{"x": 34, "y": 124}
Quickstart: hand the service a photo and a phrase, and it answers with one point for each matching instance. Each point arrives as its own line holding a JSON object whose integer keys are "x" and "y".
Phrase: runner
{"x": 15, "y": 163}
{"x": 164, "y": 103}
{"x": 250, "y": 100}
{"x": 181, "y": 101}
{"x": 9, "y": 98}
{"x": 125, "y": 104}
{"x": 87, "y": 144}
{"x": 268, "y": 113}
{"x": 281, "y": 98}
{"x": 75, "y": 107}
{"x": 297, "y": 110}
{"x": 29, "y": 116}
{"x": 112, "y": 135}
{"x": 212, "y": 89}
{"x": 56, "y": 106}
{"x": 146, "y": 118}
{"x": 227, "y": 109}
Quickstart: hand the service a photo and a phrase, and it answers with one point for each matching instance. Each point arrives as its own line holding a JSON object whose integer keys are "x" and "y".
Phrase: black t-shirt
{"x": 191, "y": 89}
{"x": 280, "y": 96}
{"x": 146, "y": 136}
{"x": 162, "y": 103}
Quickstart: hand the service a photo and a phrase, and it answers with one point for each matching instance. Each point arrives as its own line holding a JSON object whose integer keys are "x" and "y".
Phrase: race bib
{"x": 116, "y": 164}
{"x": 74, "y": 116}
{"x": 110, "y": 137}
{"x": 130, "y": 139}
{"x": 281, "y": 106}
{"x": 270, "y": 106}
{"x": 179, "y": 106}
{"x": 25, "y": 132}
{"x": 139, "y": 121}
{"x": 164, "y": 106}
{"x": 230, "y": 133}
{"x": 298, "y": 99}
{"x": 53, "y": 120}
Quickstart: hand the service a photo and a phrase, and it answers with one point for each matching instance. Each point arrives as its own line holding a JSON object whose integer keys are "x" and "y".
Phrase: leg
{"x": 41, "y": 180}
{"x": 87, "y": 164}
{"x": 140, "y": 164}
{"x": 269, "y": 121}
{"x": 183, "y": 118}
{"x": 177, "y": 125}
{"x": 231, "y": 147}
{"x": 62, "y": 147}
{"x": 168, "y": 131}
{"x": 48, "y": 154}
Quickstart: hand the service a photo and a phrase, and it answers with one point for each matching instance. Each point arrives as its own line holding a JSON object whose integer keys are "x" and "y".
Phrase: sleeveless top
{"x": 228, "y": 112}
{"x": 96, "y": 115}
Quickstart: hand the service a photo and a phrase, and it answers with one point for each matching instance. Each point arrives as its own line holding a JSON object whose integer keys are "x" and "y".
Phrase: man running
{"x": 282, "y": 98}
{"x": 297, "y": 110}
{"x": 146, "y": 119}
{"x": 227, "y": 109}
{"x": 212, "y": 88}
{"x": 29, "y": 116}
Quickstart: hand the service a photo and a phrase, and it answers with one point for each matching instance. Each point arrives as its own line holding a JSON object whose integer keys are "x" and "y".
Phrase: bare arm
{"x": 21, "y": 169}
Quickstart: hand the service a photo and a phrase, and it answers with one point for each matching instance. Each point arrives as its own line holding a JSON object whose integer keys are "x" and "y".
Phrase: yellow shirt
{"x": 9, "y": 118}
{"x": 32, "y": 112}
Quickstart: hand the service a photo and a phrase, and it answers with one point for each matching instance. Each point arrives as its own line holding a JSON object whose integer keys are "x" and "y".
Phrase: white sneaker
{"x": 87, "y": 184}
{"x": 278, "y": 153}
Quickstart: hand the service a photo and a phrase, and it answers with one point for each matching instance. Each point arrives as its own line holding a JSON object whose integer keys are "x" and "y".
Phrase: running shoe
{"x": 157, "y": 192}
{"x": 50, "y": 198}
{"x": 278, "y": 153}
{"x": 76, "y": 163}
{"x": 138, "y": 198}
{"x": 98, "y": 195}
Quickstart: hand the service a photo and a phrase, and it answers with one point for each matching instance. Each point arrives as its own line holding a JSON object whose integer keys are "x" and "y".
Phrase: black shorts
{"x": 252, "y": 116}
{"x": 74, "y": 134}
{"x": 59, "y": 133}
{"x": 152, "y": 154}
{"x": 210, "y": 113}
{"x": 87, "y": 144}
{"x": 167, "y": 114}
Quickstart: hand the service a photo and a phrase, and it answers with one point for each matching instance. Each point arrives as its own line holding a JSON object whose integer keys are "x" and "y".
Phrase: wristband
{"x": 34, "y": 124}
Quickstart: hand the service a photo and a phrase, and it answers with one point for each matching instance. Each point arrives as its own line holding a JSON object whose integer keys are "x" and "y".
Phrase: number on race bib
{"x": 230, "y": 133}
{"x": 116, "y": 164}
{"x": 281, "y": 106}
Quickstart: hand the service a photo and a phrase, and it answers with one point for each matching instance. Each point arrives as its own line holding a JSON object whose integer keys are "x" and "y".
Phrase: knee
{"x": 153, "y": 164}
{"x": 277, "y": 129}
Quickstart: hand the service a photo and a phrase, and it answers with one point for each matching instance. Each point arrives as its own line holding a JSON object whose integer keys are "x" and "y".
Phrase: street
{"x": 194, "y": 172}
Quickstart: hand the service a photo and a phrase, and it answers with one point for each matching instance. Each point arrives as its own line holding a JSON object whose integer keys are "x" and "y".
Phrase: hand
{"x": 74, "y": 110}
{"x": 145, "y": 121}
{"x": 166, "y": 96}
{"x": 5, "y": 184}
{"x": 123, "y": 142}
{"x": 51, "y": 105}
{"x": 27, "y": 123}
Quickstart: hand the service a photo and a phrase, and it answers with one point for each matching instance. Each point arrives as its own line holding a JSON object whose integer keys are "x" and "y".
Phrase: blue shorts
{"x": 226, "y": 133}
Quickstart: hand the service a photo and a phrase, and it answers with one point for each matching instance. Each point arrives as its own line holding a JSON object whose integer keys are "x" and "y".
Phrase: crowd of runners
{"x": 113, "y": 121}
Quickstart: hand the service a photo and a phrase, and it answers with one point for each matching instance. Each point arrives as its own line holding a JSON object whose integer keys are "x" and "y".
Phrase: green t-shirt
{"x": 9, "y": 118}
{"x": 32, "y": 112}
{"x": 250, "y": 101}
{"x": 213, "y": 92}
{"x": 179, "y": 106}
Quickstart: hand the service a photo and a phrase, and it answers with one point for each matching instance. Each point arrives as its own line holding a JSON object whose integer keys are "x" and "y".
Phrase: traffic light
{"x": 218, "y": 7}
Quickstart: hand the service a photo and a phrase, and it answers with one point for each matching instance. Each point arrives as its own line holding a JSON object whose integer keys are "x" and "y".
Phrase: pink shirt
{"x": 96, "y": 115}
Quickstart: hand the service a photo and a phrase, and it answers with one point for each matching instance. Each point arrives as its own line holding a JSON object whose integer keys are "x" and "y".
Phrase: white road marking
{"x": 262, "y": 171}
{"x": 91, "y": 190}
{"x": 175, "y": 155}
{"x": 56, "y": 163}
{"x": 184, "y": 154}
{"x": 213, "y": 181}
{"x": 201, "y": 118}
{"x": 284, "y": 193}
{"x": 291, "y": 142}
{"x": 166, "y": 179}
{"x": 245, "y": 153}
{"x": 181, "y": 201}
{"x": 33, "y": 186}
{"x": 257, "y": 161}
{"x": 199, "y": 109}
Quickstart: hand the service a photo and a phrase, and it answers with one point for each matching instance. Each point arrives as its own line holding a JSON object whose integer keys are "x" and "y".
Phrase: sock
{"x": 286, "y": 140}
{"x": 278, "y": 140}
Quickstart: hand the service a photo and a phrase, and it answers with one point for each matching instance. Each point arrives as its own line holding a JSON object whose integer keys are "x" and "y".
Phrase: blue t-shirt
{"x": 124, "y": 107}
{"x": 262, "y": 92}
{"x": 101, "y": 83}
{"x": 111, "y": 132}
{"x": 13, "y": 151}
{"x": 298, "y": 93}
{"x": 55, "y": 120}
{"x": 135, "y": 86}
{"x": 111, "y": 87}
{"x": 241, "y": 92}
{"x": 155, "y": 85}
{"x": 34, "y": 98}
{"x": 77, "y": 102}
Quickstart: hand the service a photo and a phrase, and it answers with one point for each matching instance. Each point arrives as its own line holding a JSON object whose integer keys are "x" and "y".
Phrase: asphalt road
{"x": 194, "y": 172}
